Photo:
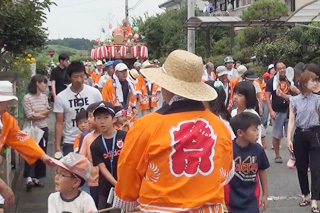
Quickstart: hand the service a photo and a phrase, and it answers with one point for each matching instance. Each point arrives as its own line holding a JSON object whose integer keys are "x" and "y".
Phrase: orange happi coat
{"x": 186, "y": 152}
{"x": 147, "y": 99}
{"x": 12, "y": 136}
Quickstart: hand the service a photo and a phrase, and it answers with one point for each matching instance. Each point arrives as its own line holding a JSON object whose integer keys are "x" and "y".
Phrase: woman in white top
{"x": 36, "y": 110}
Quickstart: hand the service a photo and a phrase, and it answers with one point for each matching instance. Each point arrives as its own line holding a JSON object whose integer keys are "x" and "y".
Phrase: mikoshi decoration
{"x": 112, "y": 51}
{"x": 144, "y": 52}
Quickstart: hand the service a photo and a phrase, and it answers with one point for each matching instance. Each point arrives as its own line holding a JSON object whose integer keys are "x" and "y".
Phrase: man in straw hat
{"x": 186, "y": 146}
{"x": 13, "y": 137}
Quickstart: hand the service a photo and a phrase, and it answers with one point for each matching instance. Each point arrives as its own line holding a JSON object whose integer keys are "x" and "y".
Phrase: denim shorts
{"x": 280, "y": 124}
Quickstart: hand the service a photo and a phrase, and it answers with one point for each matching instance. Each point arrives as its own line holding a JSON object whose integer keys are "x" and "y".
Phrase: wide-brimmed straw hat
{"x": 181, "y": 74}
{"x": 6, "y": 91}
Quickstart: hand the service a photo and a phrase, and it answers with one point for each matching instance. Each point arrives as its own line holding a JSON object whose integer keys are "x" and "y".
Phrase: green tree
{"x": 21, "y": 25}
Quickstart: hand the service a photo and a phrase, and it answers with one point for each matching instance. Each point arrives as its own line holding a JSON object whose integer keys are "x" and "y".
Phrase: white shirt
{"x": 83, "y": 203}
{"x": 70, "y": 103}
{"x": 235, "y": 112}
{"x": 103, "y": 79}
{"x": 233, "y": 74}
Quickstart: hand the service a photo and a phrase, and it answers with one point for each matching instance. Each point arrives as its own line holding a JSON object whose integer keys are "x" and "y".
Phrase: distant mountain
{"x": 75, "y": 43}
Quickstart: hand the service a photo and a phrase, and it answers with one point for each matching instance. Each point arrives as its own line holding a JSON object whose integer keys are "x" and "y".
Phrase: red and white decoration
{"x": 112, "y": 51}
{"x": 123, "y": 51}
{"x": 134, "y": 51}
{"x": 93, "y": 53}
{"x": 102, "y": 52}
{"x": 144, "y": 52}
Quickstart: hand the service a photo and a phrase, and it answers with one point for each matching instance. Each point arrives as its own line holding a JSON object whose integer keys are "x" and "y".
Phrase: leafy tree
{"x": 265, "y": 10}
{"x": 21, "y": 25}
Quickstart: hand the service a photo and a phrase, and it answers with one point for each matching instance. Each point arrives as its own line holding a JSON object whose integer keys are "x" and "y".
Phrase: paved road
{"x": 284, "y": 192}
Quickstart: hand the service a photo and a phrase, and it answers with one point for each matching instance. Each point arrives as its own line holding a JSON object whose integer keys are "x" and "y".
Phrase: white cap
{"x": 221, "y": 70}
{"x": 121, "y": 67}
{"x": 270, "y": 67}
{"x": 99, "y": 63}
{"x": 241, "y": 70}
{"x": 6, "y": 91}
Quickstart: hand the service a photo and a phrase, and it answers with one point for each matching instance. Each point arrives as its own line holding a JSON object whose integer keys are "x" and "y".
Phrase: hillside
{"x": 75, "y": 43}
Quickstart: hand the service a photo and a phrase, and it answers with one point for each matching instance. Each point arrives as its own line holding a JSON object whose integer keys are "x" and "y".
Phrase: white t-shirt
{"x": 233, "y": 74}
{"x": 235, "y": 112}
{"x": 103, "y": 79}
{"x": 83, "y": 203}
{"x": 70, "y": 104}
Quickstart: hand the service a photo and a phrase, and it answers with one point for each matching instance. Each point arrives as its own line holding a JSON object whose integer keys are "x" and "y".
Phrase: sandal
{"x": 315, "y": 210}
{"x": 304, "y": 203}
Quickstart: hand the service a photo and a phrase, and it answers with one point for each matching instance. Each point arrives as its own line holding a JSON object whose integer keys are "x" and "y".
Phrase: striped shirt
{"x": 306, "y": 110}
{"x": 35, "y": 104}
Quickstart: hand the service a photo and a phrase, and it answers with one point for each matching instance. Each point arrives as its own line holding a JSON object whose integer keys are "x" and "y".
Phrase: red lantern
{"x": 134, "y": 51}
{"x": 144, "y": 52}
{"x": 94, "y": 53}
{"x": 99, "y": 53}
{"x": 112, "y": 51}
{"x": 123, "y": 51}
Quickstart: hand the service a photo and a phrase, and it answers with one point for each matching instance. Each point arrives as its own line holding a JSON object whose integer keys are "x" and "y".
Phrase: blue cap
{"x": 109, "y": 63}
{"x": 116, "y": 62}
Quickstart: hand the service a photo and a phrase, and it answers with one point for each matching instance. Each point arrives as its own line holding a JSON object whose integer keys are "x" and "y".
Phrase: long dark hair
{"x": 247, "y": 89}
{"x": 32, "y": 87}
{"x": 217, "y": 106}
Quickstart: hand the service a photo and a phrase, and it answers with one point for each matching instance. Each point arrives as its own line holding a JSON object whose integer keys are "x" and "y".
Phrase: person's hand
{"x": 280, "y": 93}
{"x": 263, "y": 203}
{"x": 273, "y": 115}
{"x": 47, "y": 160}
{"x": 290, "y": 145}
{"x": 7, "y": 194}
{"x": 294, "y": 89}
{"x": 260, "y": 111}
{"x": 135, "y": 111}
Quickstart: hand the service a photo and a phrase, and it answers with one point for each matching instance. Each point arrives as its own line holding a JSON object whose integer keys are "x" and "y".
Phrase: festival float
{"x": 124, "y": 43}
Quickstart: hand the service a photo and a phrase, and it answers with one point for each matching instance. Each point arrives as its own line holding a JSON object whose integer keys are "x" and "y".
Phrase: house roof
{"x": 169, "y": 3}
{"x": 308, "y": 13}
{"x": 227, "y": 21}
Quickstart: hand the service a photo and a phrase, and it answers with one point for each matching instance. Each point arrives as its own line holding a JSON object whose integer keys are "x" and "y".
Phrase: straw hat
{"x": 181, "y": 74}
{"x": 241, "y": 70}
{"x": 133, "y": 76}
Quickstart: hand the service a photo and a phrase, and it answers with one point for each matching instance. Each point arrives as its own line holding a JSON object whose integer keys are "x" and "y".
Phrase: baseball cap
{"x": 109, "y": 63}
{"x": 116, "y": 62}
{"x": 270, "y": 67}
{"x": 266, "y": 75}
{"x": 249, "y": 75}
{"x": 228, "y": 59}
{"x": 241, "y": 70}
{"x": 99, "y": 62}
{"x": 121, "y": 67}
{"x": 76, "y": 164}
{"x": 137, "y": 64}
{"x": 221, "y": 70}
{"x": 104, "y": 105}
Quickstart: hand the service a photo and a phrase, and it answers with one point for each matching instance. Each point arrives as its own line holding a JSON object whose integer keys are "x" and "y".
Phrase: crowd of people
{"x": 143, "y": 138}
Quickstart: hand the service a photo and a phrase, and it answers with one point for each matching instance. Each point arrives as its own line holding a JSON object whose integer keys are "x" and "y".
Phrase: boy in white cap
{"x": 72, "y": 171}
{"x": 229, "y": 64}
{"x": 222, "y": 75}
{"x": 13, "y": 137}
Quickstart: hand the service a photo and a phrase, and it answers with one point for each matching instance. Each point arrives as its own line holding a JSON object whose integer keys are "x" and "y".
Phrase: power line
{"x": 136, "y": 5}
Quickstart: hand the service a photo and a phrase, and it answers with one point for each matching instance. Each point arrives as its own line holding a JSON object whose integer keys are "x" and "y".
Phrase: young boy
{"x": 83, "y": 125}
{"x": 120, "y": 119}
{"x": 72, "y": 172}
{"x": 92, "y": 134}
{"x": 242, "y": 194}
{"x": 105, "y": 150}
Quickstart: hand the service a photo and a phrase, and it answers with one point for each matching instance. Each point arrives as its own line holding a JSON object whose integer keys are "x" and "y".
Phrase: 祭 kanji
{"x": 192, "y": 148}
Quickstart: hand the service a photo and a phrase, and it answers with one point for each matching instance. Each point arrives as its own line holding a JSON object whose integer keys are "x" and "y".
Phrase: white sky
{"x": 86, "y": 18}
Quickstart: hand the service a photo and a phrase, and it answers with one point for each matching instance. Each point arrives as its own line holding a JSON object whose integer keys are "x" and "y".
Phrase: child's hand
{"x": 263, "y": 203}
{"x": 7, "y": 194}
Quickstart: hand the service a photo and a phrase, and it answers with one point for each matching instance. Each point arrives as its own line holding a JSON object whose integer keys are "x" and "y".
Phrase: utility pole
{"x": 191, "y": 32}
{"x": 126, "y": 11}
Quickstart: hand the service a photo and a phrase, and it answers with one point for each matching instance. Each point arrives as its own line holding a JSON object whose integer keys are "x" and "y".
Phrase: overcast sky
{"x": 86, "y": 18}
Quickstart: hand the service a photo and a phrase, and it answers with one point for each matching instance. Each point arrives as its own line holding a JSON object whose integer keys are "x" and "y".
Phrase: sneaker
{"x": 278, "y": 160}
{"x": 291, "y": 163}
{"x": 37, "y": 182}
{"x": 29, "y": 184}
